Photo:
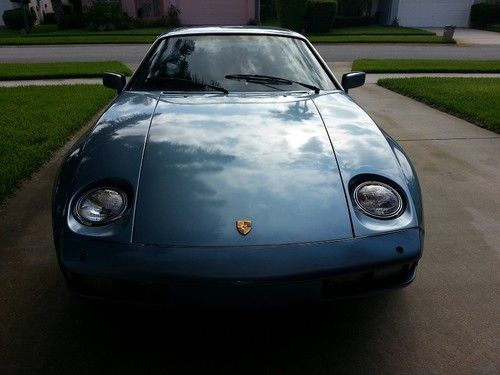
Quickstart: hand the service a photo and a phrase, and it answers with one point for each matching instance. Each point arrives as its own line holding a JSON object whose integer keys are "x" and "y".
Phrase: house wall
{"x": 216, "y": 12}
{"x": 46, "y": 6}
{"x": 200, "y": 12}
{"x": 129, "y": 7}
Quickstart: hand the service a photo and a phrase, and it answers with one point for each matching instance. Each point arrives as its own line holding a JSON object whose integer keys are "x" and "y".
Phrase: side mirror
{"x": 114, "y": 81}
{"x": 352, "y": 80}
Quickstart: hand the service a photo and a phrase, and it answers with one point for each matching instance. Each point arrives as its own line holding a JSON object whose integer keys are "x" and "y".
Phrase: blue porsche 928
{"x": 233, "y": 164}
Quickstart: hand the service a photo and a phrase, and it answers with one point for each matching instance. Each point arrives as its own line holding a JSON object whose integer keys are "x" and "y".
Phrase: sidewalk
{"x": 373, "y": 78}
{"x": 51, "y": 82}
{"x": 341, "y": 67}
{"x": 370, "y": 78}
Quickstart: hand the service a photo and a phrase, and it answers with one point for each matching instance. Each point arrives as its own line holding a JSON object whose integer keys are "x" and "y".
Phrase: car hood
{"x": 211, "y": 160}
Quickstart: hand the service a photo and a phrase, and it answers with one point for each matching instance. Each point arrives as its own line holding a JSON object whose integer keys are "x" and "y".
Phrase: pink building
{"x": 195, "y": 12}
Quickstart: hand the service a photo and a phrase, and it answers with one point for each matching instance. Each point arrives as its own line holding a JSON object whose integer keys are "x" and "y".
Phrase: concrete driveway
{"x": 471, "y": 36}
{"x": 446, "y": 322}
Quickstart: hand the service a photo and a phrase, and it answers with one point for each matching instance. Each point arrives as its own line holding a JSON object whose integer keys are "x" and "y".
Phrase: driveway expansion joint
{"x": 447, "y": 139}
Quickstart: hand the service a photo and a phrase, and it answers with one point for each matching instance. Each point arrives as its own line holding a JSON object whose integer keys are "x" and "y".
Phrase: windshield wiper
{"x": 199, "y": 84}
{"x": 257, "y": 78}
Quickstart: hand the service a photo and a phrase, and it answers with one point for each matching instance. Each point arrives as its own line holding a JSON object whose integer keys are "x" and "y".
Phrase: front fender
{"x": 410, "y": 176}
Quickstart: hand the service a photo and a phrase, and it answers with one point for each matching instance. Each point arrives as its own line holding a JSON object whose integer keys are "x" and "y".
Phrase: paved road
{"x": 350, "y": 52}
{"x": 132, "y": 54}
{"x": 446, "y": 322}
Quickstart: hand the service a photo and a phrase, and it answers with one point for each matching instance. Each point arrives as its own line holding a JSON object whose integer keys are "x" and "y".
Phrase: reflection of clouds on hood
{"x": 115, "y": 146}
{"x": 361, "y": 148}
{"x": 260, "y": 164}
{"x": 261, "y": 141}
{"x": 313, "y": 145}
{"x": 125, "y": 122}
{"x": 359, "y": 145}
{"x": 195, "y": 158}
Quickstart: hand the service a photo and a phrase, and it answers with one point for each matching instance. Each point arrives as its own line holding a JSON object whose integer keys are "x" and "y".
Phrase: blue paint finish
{"x": 363, "y": 150}
{"x": 411, "y": 178}
{"x": 213, "y": 159}
{"x": 111, "y": 156}
{"x": 246, "y": 264}
{"x": 192, "y": 164}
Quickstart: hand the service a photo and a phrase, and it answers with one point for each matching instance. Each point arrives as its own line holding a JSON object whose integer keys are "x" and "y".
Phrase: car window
{"x": 187, "y": 63}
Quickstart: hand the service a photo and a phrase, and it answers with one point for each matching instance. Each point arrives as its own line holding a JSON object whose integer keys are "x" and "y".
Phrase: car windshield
{"x": 211, "y": 63}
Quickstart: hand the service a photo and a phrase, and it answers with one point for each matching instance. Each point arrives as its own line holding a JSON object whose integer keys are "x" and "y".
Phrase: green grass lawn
{"x": 17, "y": 71}
{"x": 52, "y": 30}
{"x": 474, "y": 99}
{"x": 36, "y": 120}
{"x": 372, "y": 34}
{"x": 49, "y": 34}
{"x": 495, "y": 28}
{"x": 333, "y": 38}
{"x": 426, "y": 66}
{"x": 379, "y": 30}
{"x": 78, "y": 39}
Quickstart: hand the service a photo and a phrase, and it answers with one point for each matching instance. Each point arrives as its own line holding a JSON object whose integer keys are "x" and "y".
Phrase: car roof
{"x": 248, "y": 30}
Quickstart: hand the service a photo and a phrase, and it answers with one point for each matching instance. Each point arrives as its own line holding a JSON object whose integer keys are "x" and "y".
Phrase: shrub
{"x": 267, "y": 10}
{"x": 71, "y": 21}
{"x": 355, "y": 8}
{"x": 49, "y": 18}
{"x": 320, "y": 15}
{"x": 484, "y": 14}
{"x": 173, "y": 16}
{"x": 106, "y": 15}
{"x": 77, "y": 6}
{"x": 291, "y": 13}
{"x": 71, "y": 18}
{"x": 341, "y": 21}
{"x": 13, "y": 18}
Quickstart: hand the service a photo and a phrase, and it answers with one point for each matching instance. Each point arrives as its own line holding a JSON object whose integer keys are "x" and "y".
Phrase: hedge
{"x": 341, "y": 21}
{"x": 267, "y": 10}
{"x": 13, "y": 18}
{"x": 49, "y": 18}
{"x": 484, "y": 14}
{"x": 320, "y": 15}
{"x": 291, "y": 13}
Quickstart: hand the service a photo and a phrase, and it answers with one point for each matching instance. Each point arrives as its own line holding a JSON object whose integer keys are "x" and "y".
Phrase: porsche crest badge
{"x": 244, "y": 226}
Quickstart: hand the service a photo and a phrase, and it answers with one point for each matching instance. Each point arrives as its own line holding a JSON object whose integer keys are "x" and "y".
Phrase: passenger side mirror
{"x": 352, "y": 80}
{"x": 114, "y": 81}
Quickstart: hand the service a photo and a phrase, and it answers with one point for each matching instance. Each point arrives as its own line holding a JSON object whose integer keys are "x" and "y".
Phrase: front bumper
{"x": 321, "y": 270}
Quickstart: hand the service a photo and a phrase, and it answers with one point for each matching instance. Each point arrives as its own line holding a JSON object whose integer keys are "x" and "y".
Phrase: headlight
{"x": 100, "y": 206}
{"x": 378, "y": 200}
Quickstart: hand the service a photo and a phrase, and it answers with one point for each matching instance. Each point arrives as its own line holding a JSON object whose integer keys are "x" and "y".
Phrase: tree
{"x": 23, "y": 5}
{"x": 58, "y": 10}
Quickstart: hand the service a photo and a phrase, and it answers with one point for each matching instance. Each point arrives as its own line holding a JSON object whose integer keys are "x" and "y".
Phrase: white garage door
{"x": 434, "y": 13}
{"x": 213, "y": 12}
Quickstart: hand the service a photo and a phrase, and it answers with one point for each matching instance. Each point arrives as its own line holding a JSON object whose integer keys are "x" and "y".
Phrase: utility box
{"x": 448, "y": 33}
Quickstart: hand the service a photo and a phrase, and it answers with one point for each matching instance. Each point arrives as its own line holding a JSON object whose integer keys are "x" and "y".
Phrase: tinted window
{"x": 177, "y": 62}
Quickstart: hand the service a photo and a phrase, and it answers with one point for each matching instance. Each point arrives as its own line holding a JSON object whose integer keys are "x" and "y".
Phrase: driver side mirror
{"x": 352, "y": 80}
{"x": 114, "y": 81}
